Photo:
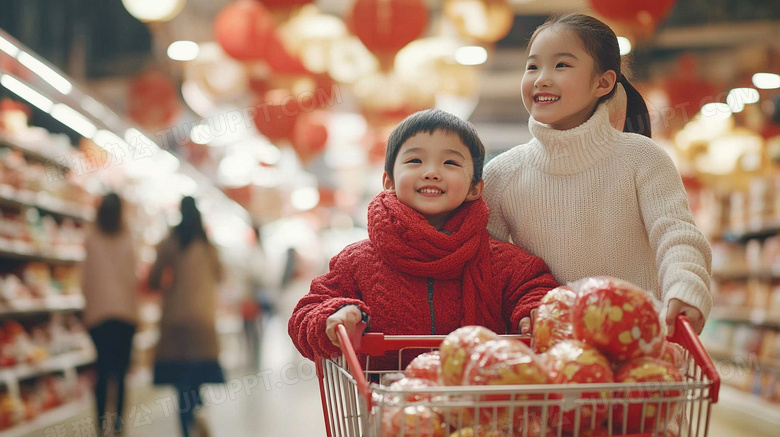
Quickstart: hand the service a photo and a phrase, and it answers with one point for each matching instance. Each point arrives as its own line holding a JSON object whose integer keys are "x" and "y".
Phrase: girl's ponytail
{"x": 637, "y": 116}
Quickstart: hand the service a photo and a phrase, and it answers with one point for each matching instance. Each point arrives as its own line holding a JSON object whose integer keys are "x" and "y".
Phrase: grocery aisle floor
{"x": 279, "y": 401}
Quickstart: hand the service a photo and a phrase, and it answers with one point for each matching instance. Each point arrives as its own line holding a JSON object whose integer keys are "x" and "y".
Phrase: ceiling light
{"x": 624, "y": 44}
{"x": 471, "y": 55}
{"x": 183, "y": 50}
{"x": 8, "y": 47}
{"x": 715, "y": 111}
{"x": 73, "y": 119}
{"x": 739, "y": 97}
{"x": 154, "y": 10}
{"x": 26, "y": 92}
{"x": 766, "y": 81}
{"x": 46, "y": 73}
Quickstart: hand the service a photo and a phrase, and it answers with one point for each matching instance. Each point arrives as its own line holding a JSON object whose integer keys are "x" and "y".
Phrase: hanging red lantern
{"x": 241, "y": 195}
{"x": 280, "y": 60}
{"x": 152, "y": 100}
{"x": 645, "y": 13}
{"x": 310, "y": 135}
{"x": 685, "y": 90}
{"x": 284, "y": 4}
{"x": 385, "y": 26}
{"x": 277, "y": 115}
{"x": 242, "y": 28}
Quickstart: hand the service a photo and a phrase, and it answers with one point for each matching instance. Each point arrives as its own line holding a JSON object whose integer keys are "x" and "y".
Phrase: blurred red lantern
{"x": 7, "y": 104}
{"x": 310, "y": 135}
{"x": 284, "y": 4}
{"x": 646, "y": 13}
{"x": 685, "y": 90}
{"x": 243, "y": 29}
{"x": 241, "y": 195}
{"x": 277, "y": 115}
{"x": 385, "y": 26}
{"x": 280, "y": 60}
{"x": 152, "y": 100}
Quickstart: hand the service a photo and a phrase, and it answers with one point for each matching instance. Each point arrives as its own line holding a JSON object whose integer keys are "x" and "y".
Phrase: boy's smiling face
{"x": 432, "y": 175}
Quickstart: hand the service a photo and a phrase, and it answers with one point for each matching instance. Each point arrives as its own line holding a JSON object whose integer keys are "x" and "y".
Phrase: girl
{"x": 109, "y": 284}
{"x": 586, "y": 198}
{"x": 188, "y": 351}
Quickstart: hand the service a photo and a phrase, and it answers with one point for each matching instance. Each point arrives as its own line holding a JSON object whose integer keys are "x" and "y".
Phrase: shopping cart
{"x": 353, "y": 407}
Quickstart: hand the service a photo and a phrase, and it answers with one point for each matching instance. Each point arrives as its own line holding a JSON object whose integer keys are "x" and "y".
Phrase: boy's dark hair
{"x": 600, "y": 41}
{"x": 109, "y": 214}
{"x": 429, "y": 121}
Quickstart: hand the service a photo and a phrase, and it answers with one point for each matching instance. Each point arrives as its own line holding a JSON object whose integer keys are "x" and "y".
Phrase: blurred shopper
{"x": 110, "y": 287}
{"x": 188, "y": 350}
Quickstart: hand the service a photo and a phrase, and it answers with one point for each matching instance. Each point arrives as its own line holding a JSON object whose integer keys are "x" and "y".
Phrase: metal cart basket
{"x": 353, "y": 407}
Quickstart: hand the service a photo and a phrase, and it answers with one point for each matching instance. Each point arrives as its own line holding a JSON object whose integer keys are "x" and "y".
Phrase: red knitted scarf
{"x": 407, "y": 242}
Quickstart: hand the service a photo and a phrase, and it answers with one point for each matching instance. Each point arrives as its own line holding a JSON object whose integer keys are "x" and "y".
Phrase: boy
{"x": 429, "y": 266}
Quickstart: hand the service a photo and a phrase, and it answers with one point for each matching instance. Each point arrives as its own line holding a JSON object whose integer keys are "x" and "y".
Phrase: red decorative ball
{"x": 456, "y": 351}
{"x": 618, "y": 318}
{"x": 574, "y": 362}
{"x": 412, "y": 421}
{"x": 425, "y": 366}
{"x": 386, "y": 26}
{"x": 411, "y": 384}
{"x": 310, "y": 135}
{"x": 503, "y": 362}
{"x": 646, "y": 370}
{"x": 553, "y": 318}
{"x": 243, "y": 29}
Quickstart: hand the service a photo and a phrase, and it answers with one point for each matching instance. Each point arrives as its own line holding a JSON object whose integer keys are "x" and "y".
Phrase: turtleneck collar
{"x": 571, "y": 151}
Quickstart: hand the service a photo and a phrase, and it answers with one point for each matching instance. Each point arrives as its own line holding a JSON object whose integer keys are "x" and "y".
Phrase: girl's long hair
{"x": 600, "y": 41}
{"x": 109, "y": 214}
{"x": 191, "y": 226}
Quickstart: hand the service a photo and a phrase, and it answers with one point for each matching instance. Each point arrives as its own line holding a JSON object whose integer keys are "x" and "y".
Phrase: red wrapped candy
{"x": 618, "y": 318}
{"x": 574, "y": 362}
{"x": 646, "y": 370}
{"x": 425, "y": 366}
{"x": 455, "y": 351}
{"x": 553, "y": 318}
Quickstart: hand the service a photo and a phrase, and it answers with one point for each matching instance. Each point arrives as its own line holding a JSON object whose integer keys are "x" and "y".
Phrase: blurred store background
{"x": 274, "y": 114}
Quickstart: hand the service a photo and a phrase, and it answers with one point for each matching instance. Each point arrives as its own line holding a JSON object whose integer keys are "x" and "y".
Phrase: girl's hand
{"x": 350, "y": 316}
{"x": 526, "y": 324}
{"x": 675, "y": 307}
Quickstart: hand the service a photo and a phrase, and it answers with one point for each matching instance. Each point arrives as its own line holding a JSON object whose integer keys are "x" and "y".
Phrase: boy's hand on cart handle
{"x": 675, "y": 307}
{"x": 526, "y": 324}
{"x": 350, "y": 316}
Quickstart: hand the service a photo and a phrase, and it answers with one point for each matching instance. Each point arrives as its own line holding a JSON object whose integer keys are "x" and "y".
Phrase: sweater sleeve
{"x": 526, "y": 279}
{"x": 495, "y": 187}
{"x": 683, "y": 254}
{"x": 327, "y": 294}
{"x": 164, "y": 258}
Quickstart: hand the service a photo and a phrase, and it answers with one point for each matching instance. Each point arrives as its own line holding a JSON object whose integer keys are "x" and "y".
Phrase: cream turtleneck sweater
{"x": 594, "y": 201}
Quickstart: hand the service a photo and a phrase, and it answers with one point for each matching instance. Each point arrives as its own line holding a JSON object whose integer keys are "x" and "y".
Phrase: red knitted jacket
{"x": 399, "y": 303}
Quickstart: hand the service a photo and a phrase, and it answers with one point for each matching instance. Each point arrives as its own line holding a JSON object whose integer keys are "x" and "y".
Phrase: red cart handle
{"x": 377, "y": 344}
{"x": 686, "y": 337}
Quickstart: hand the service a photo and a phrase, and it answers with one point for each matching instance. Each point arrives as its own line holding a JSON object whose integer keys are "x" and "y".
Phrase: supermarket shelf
{"x": 52, "y": 205}
{"x": 65, "y": 361}
{"x": 753, "y": 316}
{"x": 49, "y": 304}
{"x": 723, "y": 354}
{"x": 756, "y": 412}
{"x": 742, "y": 275}
{"x": 25, "y": 251}
{"x": 758, "y": 230}
{"x": 33, "y": 154}
{"x": 52, "y": 417}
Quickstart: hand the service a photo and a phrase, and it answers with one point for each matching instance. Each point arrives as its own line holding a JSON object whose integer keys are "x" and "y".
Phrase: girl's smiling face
{"x": 433, "y": 174}
{"x": 560, "y": 86}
